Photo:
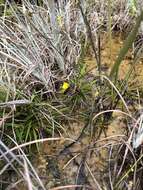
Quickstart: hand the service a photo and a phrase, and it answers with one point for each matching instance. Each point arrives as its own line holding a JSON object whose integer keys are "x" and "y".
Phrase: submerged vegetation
{"x": 71, "y": 95}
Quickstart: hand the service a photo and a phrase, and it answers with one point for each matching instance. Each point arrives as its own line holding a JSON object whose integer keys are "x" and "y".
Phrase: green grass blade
{"x": 127, "y": 44}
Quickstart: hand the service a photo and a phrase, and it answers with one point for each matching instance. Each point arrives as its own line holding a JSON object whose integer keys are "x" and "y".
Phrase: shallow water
{"x": 58, "y": 169}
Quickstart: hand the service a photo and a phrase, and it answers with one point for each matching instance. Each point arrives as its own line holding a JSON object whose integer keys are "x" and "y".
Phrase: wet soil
{"x": 88, "y": 161}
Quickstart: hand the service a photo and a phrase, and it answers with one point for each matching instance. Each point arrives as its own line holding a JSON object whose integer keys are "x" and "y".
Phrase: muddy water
{"x": 87, "y": 161}
{"x": 57, "y": 168}
{"x": 109, "y": 53}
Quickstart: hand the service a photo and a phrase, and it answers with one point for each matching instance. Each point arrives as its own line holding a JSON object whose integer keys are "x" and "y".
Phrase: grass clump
{"x": 45, "y": 86}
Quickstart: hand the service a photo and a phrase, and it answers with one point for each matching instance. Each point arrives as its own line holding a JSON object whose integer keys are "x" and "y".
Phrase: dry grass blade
{"x": 94, "y": 179}
{"x": 31, "y": 44}
{"x": 14, "y": 103}
{"x": 44, "y": 45}
{"x": 27, "y": 176}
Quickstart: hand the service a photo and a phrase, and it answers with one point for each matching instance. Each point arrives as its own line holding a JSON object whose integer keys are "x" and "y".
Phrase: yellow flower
{"x": 60, "y": 20}
{"x": 96, "y": 94}
{"x": 65, "y": 86}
